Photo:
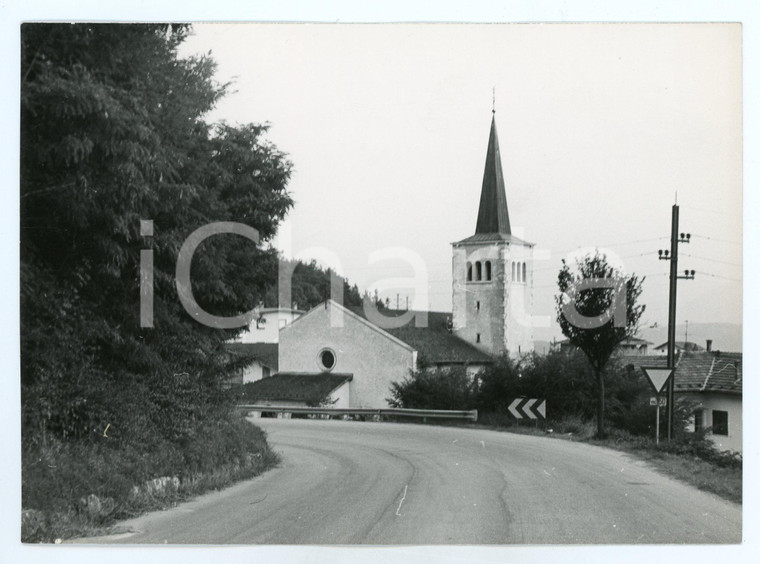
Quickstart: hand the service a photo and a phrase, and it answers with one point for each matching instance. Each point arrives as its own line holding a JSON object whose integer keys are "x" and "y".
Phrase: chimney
{"x": 709, "y": 345}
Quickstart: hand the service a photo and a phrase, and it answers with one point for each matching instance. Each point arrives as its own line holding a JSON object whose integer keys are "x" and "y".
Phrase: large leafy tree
{"x": 113, "y": 132}
{"x": 597, "y": 309}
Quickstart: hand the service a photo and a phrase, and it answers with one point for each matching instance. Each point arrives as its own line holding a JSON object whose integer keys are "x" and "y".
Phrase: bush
{"x": 434, "y": 389}
{"x": 68, "y": 487}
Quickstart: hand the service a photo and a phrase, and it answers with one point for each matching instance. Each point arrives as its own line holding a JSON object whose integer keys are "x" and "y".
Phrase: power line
{"x": 717, "y": 239}
{"x": 712, "y": 260}
{"x": 717, "y": 276}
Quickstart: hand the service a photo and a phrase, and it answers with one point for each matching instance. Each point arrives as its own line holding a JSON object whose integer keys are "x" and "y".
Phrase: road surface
{"x": 387, "y": 483}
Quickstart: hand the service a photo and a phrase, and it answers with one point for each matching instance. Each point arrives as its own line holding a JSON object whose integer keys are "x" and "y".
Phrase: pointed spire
{"x": 493, "y": 215}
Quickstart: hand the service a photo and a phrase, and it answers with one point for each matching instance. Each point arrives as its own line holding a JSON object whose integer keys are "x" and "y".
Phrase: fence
{"x": 471, "y": 415}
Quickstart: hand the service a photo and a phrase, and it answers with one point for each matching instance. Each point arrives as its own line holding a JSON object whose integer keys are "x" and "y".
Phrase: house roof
{"x": 682, "y": 345}
{"x": 699, "y": 371}
{"x": 293, "y": 386}
{"x": 628, "y": 341}
{"x": 432, "y": 341}
{"x": 265, "y": 353}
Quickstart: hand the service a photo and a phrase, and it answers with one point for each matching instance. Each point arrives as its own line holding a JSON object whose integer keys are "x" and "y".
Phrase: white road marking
{"x": 402, "y": 500}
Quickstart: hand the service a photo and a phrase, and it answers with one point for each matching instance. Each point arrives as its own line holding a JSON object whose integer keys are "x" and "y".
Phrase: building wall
{"x": 254, "y": 372}
{"x": 269, "y": 330}
{"x": 493, "y": 315}
{"x": 375, "y": 359}
{"x": 707, "y": 402}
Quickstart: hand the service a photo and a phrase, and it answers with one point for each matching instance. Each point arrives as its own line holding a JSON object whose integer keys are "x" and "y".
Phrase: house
{"x": 331, "y": 338}
{"x": 257, "y": 344}
{"x": 628, "y": 347}
{"x": 260, "y": 360}
{"x": 712, "y": 380}
{"x": 682, "y": 346}
{"x": 265, "y": 327}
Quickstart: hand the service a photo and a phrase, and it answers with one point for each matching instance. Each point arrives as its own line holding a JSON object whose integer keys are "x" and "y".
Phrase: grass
{"x": 691, "y": 459}
{"x": 82, "y": 489}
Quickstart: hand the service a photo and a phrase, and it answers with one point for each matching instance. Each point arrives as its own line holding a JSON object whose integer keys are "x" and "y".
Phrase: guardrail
{"x": 471, "y": 415}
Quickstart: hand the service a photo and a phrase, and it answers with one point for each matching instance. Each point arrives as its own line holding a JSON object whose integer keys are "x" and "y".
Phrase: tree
{"x": 113, "y": 132}
{"x": 597, "y": 309}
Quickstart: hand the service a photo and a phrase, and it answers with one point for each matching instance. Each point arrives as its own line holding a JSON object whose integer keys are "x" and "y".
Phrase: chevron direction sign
{"x": 528, "y": 408}
{"x": 657, "y": 376}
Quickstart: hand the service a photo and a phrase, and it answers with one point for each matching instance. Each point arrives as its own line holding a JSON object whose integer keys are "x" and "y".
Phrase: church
{"x": 346, "y": 356}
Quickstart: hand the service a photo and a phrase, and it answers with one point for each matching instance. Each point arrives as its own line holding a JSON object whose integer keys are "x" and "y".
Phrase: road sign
{"x": 663, "y": 401}
{"x": 658, "y": 376}
{"x": 528, "y": 408}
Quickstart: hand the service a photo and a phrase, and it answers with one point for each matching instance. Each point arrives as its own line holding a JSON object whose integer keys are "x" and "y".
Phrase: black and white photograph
{"x": 390, "y": 283}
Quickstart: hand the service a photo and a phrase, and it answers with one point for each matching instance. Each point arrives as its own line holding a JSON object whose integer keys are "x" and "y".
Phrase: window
{"x": 265, "y": 373}
{"x": 524, "y": 274}
{"x": 513, "y": 271}
{"x": 477, "y": 306}
{"x": 488, "y": 270}
{"x": 699, "y": 420}
{"x": 720, "y": 422}
{"x": 469, "y": 272}
{"x": 478, "y": 271}
{"x": 477, "y": 338}
{"x": 517, "y": 268}
{"x": 327, "y": 359}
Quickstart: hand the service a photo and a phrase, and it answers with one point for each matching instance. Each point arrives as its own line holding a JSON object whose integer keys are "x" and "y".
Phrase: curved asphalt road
{"x": 384, "y": 483}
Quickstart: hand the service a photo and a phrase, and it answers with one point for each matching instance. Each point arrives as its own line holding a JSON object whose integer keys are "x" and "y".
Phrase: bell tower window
{"x": 488, "y": 270}
{"x": 469, "y": 272}
{"x": 478, "y": 271}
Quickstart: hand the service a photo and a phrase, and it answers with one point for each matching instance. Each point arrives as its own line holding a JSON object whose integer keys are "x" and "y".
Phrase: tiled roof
{"x": 699, "y": 371}
{"x": 293, "y": 386}
{"x": 440, "y": 347}
{"x": 264, "y": 353}
{"x": 682, "y": 345}
{"x": 434, "y": 343}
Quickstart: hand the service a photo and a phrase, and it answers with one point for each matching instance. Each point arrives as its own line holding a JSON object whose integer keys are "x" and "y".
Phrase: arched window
{"x": 469, "y": 272}
{"x": 488, "y": 270}
{"x": 513, "y": 271}
{"x": 524, "y": 275}
{"x": 478, "y": 271}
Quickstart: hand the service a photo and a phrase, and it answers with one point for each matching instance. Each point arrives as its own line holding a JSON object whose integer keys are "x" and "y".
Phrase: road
{"x": 386, "y": 483}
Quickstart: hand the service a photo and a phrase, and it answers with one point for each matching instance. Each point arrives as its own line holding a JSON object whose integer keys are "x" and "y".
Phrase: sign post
{"x": 658, "y": 377}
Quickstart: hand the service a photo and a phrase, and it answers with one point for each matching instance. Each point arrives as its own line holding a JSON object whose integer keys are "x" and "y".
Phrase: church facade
{"x": 492, "y": 272}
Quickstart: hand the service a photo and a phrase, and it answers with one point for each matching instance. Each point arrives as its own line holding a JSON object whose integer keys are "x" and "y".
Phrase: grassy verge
{"x": 691, "y": 459}
{"x": 82, "y": 489}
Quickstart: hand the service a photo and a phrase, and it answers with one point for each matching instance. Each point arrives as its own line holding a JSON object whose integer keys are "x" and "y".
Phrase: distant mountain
{"x": 725, "y": 336}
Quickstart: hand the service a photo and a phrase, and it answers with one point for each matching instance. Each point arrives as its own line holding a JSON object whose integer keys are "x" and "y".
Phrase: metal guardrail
{"x": 471, "y": 415}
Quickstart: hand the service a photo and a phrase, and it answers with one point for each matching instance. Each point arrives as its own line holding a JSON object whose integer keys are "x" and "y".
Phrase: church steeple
{"x": 493, "y": 215}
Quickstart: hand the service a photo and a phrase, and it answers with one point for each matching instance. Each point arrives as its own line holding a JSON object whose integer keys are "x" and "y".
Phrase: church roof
{"x": 493, "y": 215}
{"x": 434, "y": 342}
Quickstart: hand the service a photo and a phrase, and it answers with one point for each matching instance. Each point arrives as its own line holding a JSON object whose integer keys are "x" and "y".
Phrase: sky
{"x": 601, "y": 128}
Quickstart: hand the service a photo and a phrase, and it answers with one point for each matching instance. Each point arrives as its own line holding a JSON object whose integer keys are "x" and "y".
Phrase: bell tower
{"x": 492, "y": 272}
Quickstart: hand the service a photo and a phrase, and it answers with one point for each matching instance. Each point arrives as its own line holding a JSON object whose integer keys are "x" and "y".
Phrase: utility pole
{"x": 672, "y": 256}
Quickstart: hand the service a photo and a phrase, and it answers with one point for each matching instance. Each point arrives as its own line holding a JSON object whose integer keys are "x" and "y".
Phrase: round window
{"x": 327, "y": 359}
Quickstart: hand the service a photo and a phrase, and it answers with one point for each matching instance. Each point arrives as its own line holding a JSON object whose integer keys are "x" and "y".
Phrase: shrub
{"x": 434, "y": 389}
